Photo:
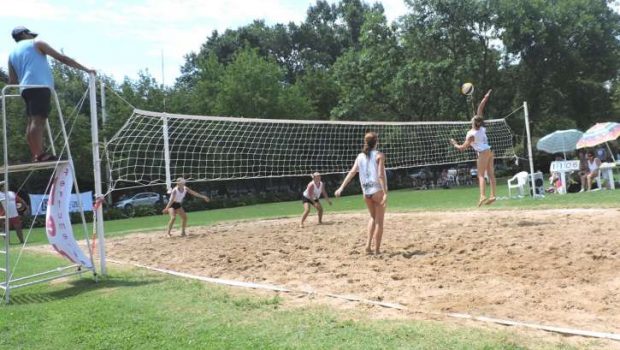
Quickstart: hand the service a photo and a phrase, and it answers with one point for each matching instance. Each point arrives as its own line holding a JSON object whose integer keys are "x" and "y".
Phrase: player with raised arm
{"x": 311, "y": 196}
{"x": 477, "y": 139}
{"x": 370, "y": 164}
{"x": 175, "y": 204}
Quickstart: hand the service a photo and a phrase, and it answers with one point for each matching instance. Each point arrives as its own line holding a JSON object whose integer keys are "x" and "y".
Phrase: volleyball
{"x": 467, "y": 89}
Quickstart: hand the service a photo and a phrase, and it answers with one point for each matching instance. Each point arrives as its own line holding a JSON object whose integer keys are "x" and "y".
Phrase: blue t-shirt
{"x": 30, "y": 65}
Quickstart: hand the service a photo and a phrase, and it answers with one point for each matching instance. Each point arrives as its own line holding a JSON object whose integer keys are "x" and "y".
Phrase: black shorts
{"x": 305, "y": 199}
{"x": 37, "y": 101}
{"x": 176, "y": 205}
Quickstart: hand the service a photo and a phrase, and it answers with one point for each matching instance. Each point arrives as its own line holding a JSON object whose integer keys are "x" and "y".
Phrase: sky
{"x": 121, "y": 38}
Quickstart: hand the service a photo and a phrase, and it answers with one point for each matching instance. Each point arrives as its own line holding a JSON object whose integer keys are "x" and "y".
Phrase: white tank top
{"x": 592, "y": 166}
{"x": 481, "y": 142}
{"x": 316, "y": 191}
{"x": 368, "y": 168}
{"x": 177, "y": 195}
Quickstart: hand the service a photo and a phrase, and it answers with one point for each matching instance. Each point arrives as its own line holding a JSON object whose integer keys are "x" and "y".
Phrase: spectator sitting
{"x": 593, "y": 169}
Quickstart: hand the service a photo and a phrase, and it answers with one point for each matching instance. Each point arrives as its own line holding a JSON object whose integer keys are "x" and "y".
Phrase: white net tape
{"x": 220, "y": 148}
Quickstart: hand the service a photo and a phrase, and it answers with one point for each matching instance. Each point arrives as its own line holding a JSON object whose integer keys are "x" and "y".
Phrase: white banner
{"x": 38, "y": 203}
{"x": 57, "y": 220}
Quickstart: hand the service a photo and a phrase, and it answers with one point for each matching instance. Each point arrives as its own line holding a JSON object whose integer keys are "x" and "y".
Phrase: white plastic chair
{"x": 519, "y": 181}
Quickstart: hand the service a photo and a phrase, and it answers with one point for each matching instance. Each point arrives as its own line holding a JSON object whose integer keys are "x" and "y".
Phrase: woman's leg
{"x": 491, "y": 174}
{"x": 379, "y": 216}
{"x": 305, "y": 214}
{"x": 481, "y": 165}
{"x": 183, "y": 220}
{"x": 319, "y": 209}
{"x": 173, "y": 216}
{"x": 371, "y": 222}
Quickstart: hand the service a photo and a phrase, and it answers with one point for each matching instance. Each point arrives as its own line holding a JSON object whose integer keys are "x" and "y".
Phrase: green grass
{"x": 137, "y": 309}
{"x": 463, "y": 198}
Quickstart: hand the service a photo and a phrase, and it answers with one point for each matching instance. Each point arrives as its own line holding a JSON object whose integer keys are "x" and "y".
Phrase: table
{"x": 563, "y": 167}
{"x": 607, "y": 171}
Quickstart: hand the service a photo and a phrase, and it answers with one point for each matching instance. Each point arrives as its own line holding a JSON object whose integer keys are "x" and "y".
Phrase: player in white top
{"x": 175, "y": 207}
{"x": 15, "y": 221}
{"x": 477, "y": 139}
{"x": 311, "y": 196}
{"x": 594, "y": 164}
{"x": 371, "y": 166}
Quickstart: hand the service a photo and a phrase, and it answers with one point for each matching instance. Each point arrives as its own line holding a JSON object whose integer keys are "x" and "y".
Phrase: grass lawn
{"x": 137, "y": 309}
{"x": 463, "y": 198}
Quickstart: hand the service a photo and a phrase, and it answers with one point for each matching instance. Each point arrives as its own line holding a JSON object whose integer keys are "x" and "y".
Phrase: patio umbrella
{"x": 600, "y": 133}
{"x": 560, "y": 141}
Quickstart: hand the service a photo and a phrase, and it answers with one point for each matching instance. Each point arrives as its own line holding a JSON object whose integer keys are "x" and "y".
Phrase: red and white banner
{"x": 58, "y": 220}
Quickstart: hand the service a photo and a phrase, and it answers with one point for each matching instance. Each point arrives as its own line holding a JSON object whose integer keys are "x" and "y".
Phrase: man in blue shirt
{"x": 28, "y": 65}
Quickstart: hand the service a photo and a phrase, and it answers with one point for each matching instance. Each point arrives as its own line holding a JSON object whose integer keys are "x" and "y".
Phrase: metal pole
{"x": 94, "y": 132}
{"x": 7, "y": 233}
{"x": 529, "y": 148}
{"x": 166, "y": 153}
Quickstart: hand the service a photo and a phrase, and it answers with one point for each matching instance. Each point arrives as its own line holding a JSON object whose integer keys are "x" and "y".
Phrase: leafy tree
{"x": 253, "y": 87}
{"x": 565, "y": 53}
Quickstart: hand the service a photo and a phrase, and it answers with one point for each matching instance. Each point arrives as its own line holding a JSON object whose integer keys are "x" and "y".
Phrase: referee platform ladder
{"x": 7, "y": 281}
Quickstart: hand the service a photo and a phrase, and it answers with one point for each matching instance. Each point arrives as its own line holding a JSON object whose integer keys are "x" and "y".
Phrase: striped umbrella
{"x": 560, "y": 141}
{"x": 599, "y": 133}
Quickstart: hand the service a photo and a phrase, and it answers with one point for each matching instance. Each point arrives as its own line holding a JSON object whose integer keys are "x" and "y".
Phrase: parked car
{"x": 140, "y": 199}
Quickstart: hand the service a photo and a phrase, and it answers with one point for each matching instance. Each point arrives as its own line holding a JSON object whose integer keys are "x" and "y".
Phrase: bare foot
{"x": 482, "y": 200}
{"x": 490, "y": 200}
{"x": 368, "y": 251}
{"x": 301, "y": 225}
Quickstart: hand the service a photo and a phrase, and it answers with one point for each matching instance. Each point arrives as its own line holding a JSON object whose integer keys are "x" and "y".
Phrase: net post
{"x": 94, "y": 131}
{"x": 529, "y": 148}
{"x": 164, "y": 119}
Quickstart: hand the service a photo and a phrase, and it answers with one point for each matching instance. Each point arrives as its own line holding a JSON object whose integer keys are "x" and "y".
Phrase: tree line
{"x": 346, "y": 61}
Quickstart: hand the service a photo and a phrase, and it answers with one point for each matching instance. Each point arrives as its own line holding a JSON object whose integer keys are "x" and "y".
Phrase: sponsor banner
{"x": 38, "y": 203}
{"x": 57, "y": 220}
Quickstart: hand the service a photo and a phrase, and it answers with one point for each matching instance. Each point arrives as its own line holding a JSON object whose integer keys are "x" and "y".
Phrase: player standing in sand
{"x": 175, "y": 207}
{"x": 311, "y": 196}
{"x": 477, "y": 139}
{"x": 370, "y": 164}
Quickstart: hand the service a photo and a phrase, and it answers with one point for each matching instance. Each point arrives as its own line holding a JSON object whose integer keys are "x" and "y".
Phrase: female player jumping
{"x": 371, "y": 167}
{"x": 477, "y": 139}
{"x": 175, "y": 207}
{"x": 311, "y": 196}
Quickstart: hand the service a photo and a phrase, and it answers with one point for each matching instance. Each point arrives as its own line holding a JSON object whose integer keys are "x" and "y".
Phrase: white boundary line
{"x": 554, "y": 329}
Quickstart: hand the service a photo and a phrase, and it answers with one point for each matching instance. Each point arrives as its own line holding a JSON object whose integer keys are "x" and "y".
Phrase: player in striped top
{"x": 311, "y": 196}
{"x": 371, "y": 167}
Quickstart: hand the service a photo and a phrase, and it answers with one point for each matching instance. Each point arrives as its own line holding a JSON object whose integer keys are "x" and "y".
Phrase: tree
{"x": 254, "y": 87}
{"x": 565, "y": 54}
{"x": 365, "y": 76}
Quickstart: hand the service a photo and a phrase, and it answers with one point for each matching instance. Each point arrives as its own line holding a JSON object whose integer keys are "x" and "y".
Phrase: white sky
{"x": 120, "y": 38}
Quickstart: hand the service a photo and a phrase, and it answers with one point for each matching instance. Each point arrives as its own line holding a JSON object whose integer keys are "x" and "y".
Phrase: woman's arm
{"x": 196, "y": 194}
{"x": 382, "y": 179}
{"x": 465, "y": 145}
{"x": 170, "y": 200}
{"x": 326, "y": 196}
{"x": 483, "y": 103}
{"x": 347, "y": 179}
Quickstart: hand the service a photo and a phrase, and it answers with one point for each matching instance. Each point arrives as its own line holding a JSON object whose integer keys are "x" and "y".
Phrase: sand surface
{"x": 553, "y": 267}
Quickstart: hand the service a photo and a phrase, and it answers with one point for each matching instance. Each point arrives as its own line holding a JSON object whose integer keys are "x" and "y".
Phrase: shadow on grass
{"x": 77, "y": 287}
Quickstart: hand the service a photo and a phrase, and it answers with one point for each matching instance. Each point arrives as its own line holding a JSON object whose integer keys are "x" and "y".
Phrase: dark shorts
{"x": 37, "y": 102}
{"x": 176, "y": 205}
{"x": 304, "y": 199}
